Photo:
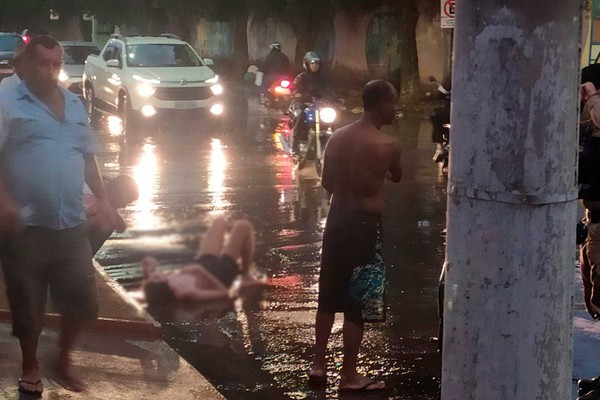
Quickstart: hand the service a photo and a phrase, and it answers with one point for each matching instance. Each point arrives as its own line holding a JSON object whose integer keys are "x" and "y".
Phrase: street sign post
{"x": 447, "y": 13}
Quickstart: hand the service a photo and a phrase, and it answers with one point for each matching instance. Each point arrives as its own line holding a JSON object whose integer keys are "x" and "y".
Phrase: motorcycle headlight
{"x": 145, "y": 90}
{"x": 216, "y": 89}
{"x": 62, "y": 76}
{"x": 328, "y": 115}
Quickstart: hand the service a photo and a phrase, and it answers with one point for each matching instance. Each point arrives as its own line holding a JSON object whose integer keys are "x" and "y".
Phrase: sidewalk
{"x": 120, "y": 357}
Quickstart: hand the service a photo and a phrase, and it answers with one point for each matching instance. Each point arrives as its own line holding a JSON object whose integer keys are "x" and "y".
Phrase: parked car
{"x": 8, "y": 43}
{"x": 74, "y": 56}
{"x": 28, "y": 33}
{"x": 151, "y": 79}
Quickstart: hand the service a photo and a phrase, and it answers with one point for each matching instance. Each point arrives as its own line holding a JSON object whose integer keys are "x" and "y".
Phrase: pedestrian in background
{"x": 46, "y": 155}
{"x": 358, "y": 158}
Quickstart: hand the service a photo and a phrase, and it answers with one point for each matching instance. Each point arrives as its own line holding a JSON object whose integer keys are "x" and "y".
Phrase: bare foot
{"x": 30, "y": 382}
{"x": 359, "y": 382}
{"x": 67, "y": 378}
{"x": 317, "y": 376}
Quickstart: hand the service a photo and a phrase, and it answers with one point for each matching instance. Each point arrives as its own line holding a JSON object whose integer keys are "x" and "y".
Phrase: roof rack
{"x": 170, "y": 36}
{"x": 117, "y": 36}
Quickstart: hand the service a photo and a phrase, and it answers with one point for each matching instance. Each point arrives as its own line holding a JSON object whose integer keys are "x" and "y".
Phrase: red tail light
{"x": 285, "y": 84}
{"x": 26, "y": 39}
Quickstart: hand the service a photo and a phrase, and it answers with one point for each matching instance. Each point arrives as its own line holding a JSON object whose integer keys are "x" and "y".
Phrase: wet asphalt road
{"x": 260, "y": 347}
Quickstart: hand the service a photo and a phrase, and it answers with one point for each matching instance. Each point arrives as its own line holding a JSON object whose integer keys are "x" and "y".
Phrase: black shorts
{"x": 41, "y": 258}
{"x": 352, "y": 239}
{"x": 224, "y": 268}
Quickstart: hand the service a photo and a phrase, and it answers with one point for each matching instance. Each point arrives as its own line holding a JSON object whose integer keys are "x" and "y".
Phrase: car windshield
{"x": 161, "y": 55}
{"x": 9, "y": 42}
{"x": 74, "y": 55}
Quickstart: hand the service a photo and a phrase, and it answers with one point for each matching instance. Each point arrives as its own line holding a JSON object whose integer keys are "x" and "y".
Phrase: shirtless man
{"x": 358, "y": 158}
{"x": 213, "y": 272}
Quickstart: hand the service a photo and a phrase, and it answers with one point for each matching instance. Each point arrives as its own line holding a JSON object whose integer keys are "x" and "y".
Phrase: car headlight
{"x": 145, "y": 90}
{"x": 62, "y": 76}
{"x": 216, "y": 89}
{"x": 328, "y": 115}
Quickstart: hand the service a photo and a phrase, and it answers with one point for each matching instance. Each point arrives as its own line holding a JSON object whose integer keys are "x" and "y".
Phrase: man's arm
{"x": 10, "y": 218}
{"x": 591, "y": 98}
{"x": 395, "y": 171}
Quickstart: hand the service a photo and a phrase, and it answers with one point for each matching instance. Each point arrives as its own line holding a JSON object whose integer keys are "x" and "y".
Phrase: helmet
{"x": 309, "y": 57}
{"x": 275, "y": 46}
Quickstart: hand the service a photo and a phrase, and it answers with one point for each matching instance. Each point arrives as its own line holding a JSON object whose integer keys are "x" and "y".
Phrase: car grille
{"x": 183, "y": 93}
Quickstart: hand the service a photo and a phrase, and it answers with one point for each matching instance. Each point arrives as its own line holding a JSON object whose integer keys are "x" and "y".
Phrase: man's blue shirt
{"x": 42, "y": 157}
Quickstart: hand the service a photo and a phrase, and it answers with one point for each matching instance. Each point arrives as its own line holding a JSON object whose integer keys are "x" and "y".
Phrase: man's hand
{"x": 587, "y": 90}
{"x": 10, "y": 218}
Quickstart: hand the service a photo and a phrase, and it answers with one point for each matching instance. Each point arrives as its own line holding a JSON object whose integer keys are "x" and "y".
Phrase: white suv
{"x": 144, "y": 78}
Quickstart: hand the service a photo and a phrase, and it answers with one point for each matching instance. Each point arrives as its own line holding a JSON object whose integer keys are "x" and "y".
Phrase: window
{"x": 76, "y": 55}
{"x": 162, "y": 55}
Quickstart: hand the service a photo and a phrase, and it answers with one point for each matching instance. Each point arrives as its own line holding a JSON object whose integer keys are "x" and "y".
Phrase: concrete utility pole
{"x": 511, "y": 204}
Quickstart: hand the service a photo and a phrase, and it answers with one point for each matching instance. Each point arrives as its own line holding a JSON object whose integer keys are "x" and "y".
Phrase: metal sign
{"x": 447, "y": 13}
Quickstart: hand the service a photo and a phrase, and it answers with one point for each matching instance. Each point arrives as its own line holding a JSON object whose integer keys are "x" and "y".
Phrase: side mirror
{"x": 208, "y": 61}
{"x": 113, "y": 63}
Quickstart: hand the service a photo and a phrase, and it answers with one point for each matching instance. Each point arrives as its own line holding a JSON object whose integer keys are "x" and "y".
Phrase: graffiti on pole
{"x": 447, "y": 13}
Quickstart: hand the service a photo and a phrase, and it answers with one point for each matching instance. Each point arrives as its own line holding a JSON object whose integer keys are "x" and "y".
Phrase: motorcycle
{"x": 279, "y": 94}
{"x": 320, "y": 116}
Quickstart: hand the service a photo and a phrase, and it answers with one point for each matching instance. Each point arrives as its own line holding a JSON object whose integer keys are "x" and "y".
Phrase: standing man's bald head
{"x": 379, "y": 99}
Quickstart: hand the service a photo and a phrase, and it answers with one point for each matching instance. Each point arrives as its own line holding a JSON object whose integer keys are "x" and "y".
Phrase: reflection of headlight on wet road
{"x": 217, "y": 109}
{"x": 216, "y": 89}
{"x": 148, "y": 111}
{"x": 145, "y": 90}
{"x": 328, "y": 115}
{"x": 115, "y": 126}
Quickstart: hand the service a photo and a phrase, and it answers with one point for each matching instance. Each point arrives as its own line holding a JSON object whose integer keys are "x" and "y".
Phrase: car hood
{"x": 175, "y": 75}
{"x": 74, "y": 69}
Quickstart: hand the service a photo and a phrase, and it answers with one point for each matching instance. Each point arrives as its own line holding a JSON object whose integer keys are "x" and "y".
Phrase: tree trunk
{"x": 409, "y": 59}
{"x": 240, "y": 46}
{"x": 512, "y": 201}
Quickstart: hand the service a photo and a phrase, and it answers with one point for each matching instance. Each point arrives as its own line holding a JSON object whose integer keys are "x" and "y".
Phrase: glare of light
{"x": 115, "y": 125}
{"x": 146, "y": 90}
{"x": 217, "y": 109}
{"x": 148, "y": 110}
{"x": 279, "y": 90}
{"x": 62, "y": 76}
{"x": 285, "y": 84}
{"x": 216, "y": 174}
{"x": 328, "y": 115}
{"x": 145, "y": 175}
{"x": 216, "y": 89}
{"x": 114, "y": 80}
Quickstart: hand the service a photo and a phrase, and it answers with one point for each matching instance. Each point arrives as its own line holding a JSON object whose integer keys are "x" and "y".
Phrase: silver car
{"x": 75, "y": 53}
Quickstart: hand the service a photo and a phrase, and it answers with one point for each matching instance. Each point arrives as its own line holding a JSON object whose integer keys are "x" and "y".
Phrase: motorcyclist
{"x": 276, "y": 65}
{"x": 311, "y": 83}
{"x": 440, "y": 117}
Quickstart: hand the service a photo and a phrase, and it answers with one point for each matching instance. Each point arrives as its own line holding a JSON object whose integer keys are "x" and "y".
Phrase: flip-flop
{"x": 363, "y": 388}
{"x": 37, "y": 393}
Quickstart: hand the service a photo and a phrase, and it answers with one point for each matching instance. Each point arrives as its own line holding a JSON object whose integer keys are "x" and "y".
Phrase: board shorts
{"x": 352, "y": 276}
{"x": 223, "y": 267}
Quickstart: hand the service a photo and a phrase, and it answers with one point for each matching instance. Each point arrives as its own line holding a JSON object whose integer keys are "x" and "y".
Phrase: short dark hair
{"x": 374, "y": 92}
{"x": 47, "y": 41}
{"x": 124, "y": 186}
{"x": 158, "y": 293}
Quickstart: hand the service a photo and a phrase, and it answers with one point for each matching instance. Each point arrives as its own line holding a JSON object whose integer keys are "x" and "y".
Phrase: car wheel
{"x": 90, "y": 104}
{"x": 127, "y": 116}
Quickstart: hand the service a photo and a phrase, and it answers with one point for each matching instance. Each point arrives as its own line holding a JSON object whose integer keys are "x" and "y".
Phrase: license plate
{"x": 185, "y": 105}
